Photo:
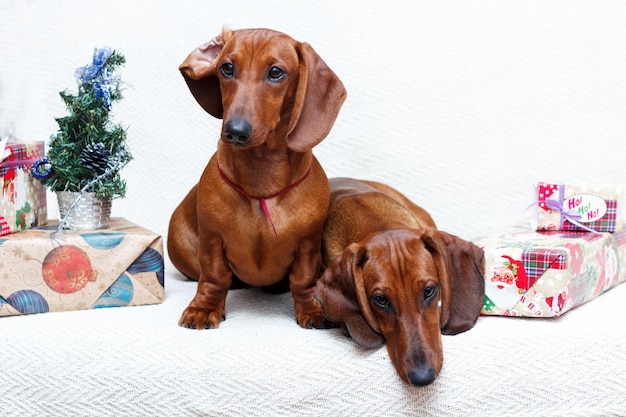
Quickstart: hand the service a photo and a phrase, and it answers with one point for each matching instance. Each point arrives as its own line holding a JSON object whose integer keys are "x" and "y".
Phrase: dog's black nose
{"x": 237, "y": 131}
{"x": 421, "y": 377}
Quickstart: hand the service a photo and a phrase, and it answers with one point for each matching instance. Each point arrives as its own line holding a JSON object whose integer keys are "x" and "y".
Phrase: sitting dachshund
{"x": 258, "y": 211}
{"x": 392, "y": 276}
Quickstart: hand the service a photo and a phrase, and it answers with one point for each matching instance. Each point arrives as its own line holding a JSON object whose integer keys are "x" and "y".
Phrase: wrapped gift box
{"x": 578, "y": 207}
{"x": 545, "y": 274}
{"x": 22, "y": 197}
{"x": 44, "y": 269}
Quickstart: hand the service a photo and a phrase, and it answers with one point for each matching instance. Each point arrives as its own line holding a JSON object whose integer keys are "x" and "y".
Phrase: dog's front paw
{"x": 200, "y": 318}
{"x": 313, "y": 319}
{"x": 309, "y": 314}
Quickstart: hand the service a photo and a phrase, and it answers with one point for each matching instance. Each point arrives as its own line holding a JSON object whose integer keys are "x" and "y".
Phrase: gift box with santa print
{"x": 578, "y": 207}
{"x": 22, "y": 197}
{"x": 47, "y": 269}
{"x": 545, "y": 274}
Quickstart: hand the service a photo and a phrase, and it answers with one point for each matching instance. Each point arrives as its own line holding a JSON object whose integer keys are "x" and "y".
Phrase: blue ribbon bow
{"x": 96, "y": 74}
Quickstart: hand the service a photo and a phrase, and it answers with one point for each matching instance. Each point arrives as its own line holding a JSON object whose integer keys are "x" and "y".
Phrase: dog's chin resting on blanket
{"x": 392, "y": 277}
{"x": 258, "y": 210}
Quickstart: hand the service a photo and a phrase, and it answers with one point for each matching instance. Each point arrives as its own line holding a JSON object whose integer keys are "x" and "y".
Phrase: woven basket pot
{"x": 83, "y": 210}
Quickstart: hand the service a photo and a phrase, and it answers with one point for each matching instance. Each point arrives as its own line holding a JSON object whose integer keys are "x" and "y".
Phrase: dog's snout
{"x": 422, "y": 376}
{"x": 237, "y": 131}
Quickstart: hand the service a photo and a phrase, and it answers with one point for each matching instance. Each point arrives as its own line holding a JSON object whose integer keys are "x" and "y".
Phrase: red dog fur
{"x": 392, "y": 276}
{"x": 259, "y": 207}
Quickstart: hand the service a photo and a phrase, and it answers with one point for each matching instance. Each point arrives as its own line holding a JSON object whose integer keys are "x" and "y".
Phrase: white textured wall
{"x": 462, "y": 105}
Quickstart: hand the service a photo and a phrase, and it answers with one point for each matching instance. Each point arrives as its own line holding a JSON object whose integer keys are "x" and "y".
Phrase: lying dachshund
{"x": 392, "y": 276}
{"x": 258, "y": 210}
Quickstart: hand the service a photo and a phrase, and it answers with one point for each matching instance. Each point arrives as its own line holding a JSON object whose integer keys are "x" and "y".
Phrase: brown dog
{"x": 259, "y": 207}
{"x": 393, "y": 277}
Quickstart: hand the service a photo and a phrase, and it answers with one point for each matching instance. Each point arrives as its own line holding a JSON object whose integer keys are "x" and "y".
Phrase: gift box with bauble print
{"x": 45, "y": 269}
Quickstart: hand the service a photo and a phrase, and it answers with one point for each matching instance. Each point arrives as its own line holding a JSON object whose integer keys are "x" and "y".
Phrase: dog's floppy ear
{"x": 460, "y": 268}
{"x": 198, "y": 69}
{"x": 319, "y": 96}
{"x": 342, "y": 295}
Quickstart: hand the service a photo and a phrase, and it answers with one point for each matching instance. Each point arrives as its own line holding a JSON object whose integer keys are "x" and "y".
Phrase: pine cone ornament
{"x": 95, "y": 157}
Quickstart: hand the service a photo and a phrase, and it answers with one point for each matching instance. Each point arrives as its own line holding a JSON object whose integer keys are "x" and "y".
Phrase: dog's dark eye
{"x": 275, "y": 73}
{"x": 227, "y": 69}
{"x": 381, "y": 301}
{"x": 430, "y": 292}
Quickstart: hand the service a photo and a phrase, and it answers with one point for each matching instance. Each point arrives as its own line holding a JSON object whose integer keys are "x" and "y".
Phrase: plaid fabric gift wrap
{"x": 544, "y": 274}
{"x": 44, "y": 270}
{"x": 22, "y": 197}
{"x": 578, "y": 207}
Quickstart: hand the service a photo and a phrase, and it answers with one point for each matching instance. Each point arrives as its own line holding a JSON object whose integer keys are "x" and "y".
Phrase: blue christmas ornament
{"x": 28, "y": 302}
{"x": 149, "y": 261}
{"x": 103, "y": 240}
{"x": 119, "y": 294}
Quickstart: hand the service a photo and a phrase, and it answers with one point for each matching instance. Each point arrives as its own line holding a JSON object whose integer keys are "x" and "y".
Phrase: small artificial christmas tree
{"x": 88, "y": 151}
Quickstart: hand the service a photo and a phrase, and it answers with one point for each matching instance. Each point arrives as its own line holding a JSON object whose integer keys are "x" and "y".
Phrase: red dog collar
{"x": 262, "y": 199}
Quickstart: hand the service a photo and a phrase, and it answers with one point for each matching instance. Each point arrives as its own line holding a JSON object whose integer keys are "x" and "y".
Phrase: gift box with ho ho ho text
{"x": 578, "y": 207}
